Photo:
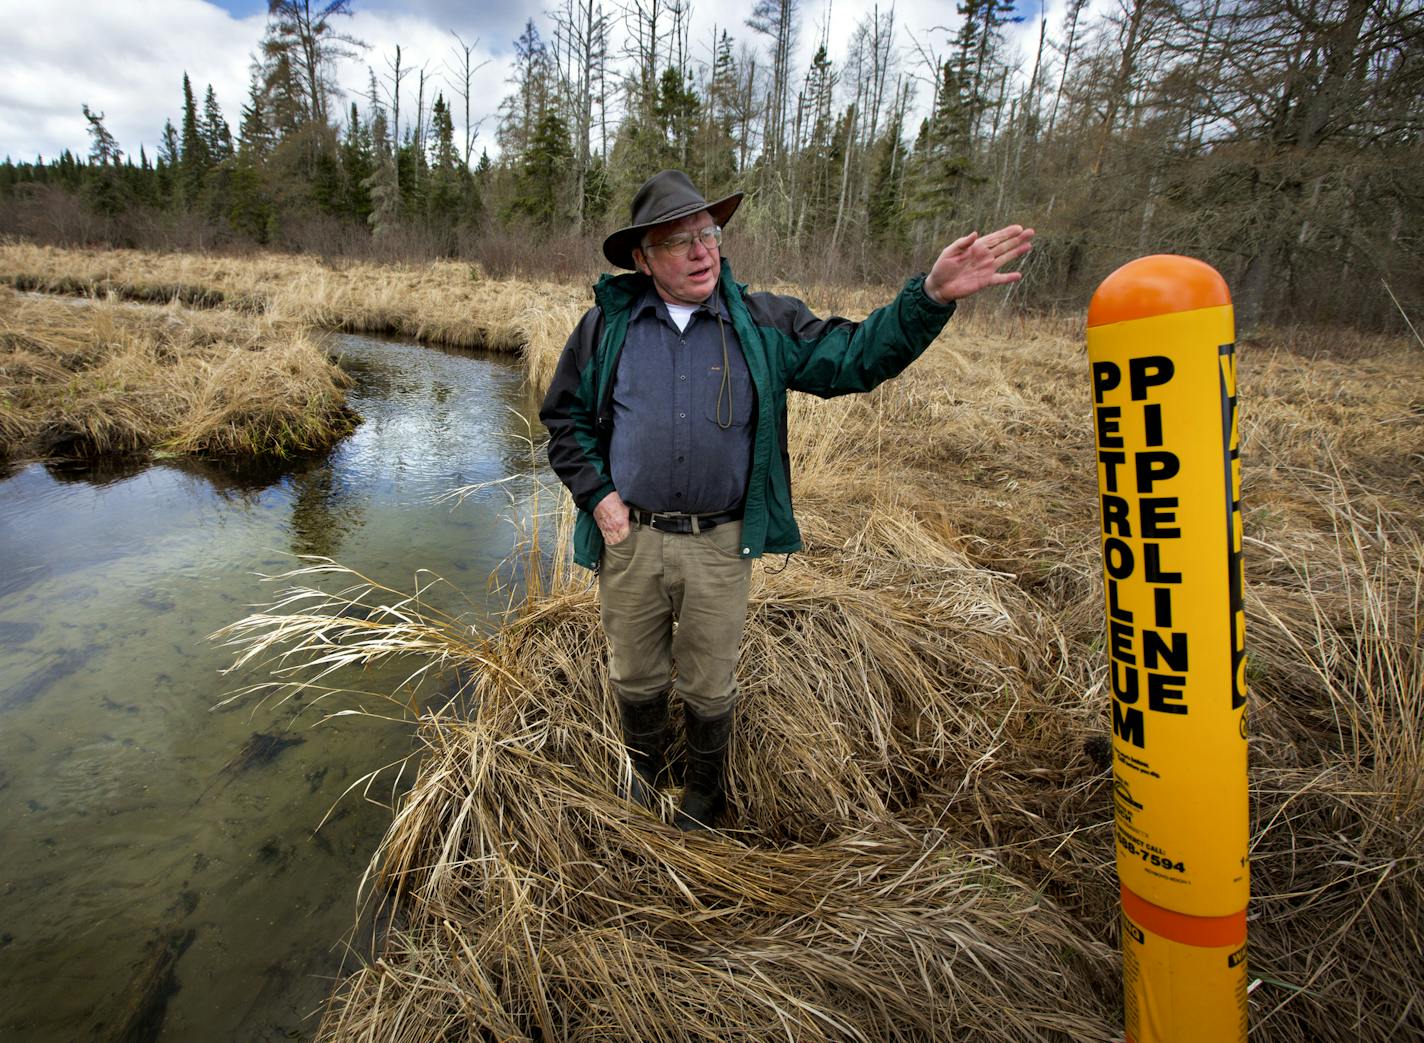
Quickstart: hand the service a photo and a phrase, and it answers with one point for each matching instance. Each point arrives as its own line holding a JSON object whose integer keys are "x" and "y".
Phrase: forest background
{"x": 1279, "y": 140}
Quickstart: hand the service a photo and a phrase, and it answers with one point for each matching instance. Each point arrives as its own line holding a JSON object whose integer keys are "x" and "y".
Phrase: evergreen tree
{"x": 103, "y": 149}
{"x": 254, "y": 135}
{"x": 977, "y": 46}
{"x": 542, "y": 174}
{"x": 357, "y": 166}
{"x": 303, "y": 39}
{"x": 325, "y": 184}
{"x": 447, "y": 172}
{"x": 143, "y": 181}
{"x": 410, "y": 169}
{"x": 596, "y": 193}
{"x": 217, "y": 138}
{"x": 942, "y": 160}
{"x": 816, "y": 162}
{"x": 384, "y": 184}
{"x": 167, "y": 164}
{"x": 677, "y": 111}
{"x": 195, "y": 158}
{"x": 715, "y": 147}
{"x": 105, "y": 187}
{"x": 884, "y": 207}
{"x": 522, "y": 110}
{"x": 283, "y": 92}
{"x": 168, "y": 151}
{"x": 250, "y": 208}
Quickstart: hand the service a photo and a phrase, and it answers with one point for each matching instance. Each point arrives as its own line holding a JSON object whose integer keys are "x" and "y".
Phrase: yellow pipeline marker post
{"x": 1161, "y": 347}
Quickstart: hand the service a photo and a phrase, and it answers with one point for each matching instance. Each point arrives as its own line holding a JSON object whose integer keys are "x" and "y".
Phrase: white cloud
{"x": 125, "y": 60}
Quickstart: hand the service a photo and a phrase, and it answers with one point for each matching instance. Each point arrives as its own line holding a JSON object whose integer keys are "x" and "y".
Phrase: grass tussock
{"x": 83, "y": 381}
{"x": 921, "y": 841}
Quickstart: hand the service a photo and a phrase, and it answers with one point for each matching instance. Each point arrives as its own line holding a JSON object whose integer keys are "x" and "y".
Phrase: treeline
{"x": 1278, "y": 139}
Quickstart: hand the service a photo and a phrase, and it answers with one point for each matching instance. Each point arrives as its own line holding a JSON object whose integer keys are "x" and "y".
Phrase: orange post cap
{"x": 1157, "y": 285}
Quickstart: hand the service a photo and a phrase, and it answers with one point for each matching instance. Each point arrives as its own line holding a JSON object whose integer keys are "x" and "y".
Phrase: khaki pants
{"x": 700, "y": 582}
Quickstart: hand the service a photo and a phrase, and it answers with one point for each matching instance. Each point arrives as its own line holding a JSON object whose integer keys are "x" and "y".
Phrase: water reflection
{"x": 324, "y": 512}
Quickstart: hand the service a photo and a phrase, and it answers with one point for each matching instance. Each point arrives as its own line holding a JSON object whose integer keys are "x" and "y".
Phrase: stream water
{"x": 161, "y": 871}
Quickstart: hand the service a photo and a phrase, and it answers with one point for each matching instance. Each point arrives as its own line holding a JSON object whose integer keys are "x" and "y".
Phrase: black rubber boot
{"x": 705, "y": 796}
{"x": 645, "y": 735}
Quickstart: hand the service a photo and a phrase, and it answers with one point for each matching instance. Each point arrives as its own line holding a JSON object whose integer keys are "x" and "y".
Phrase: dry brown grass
{"x": 922, "y": 848}
{"x": 441, "y": 302}
{"x": 134, "y": 405}
{"x": 81, "y": 380}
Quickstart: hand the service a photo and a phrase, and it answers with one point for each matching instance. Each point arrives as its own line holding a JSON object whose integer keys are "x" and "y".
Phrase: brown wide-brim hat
{"x": 666, "y": 196}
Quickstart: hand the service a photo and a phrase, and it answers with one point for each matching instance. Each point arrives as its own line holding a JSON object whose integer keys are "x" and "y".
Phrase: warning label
{"x": 1169, "y": 478}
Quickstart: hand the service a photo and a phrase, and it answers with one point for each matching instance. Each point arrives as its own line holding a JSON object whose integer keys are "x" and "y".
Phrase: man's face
{"x": 681, "y": 280}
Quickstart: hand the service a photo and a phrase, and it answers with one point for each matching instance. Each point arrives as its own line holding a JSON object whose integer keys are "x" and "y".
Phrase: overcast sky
{"x": 126, "y": 58}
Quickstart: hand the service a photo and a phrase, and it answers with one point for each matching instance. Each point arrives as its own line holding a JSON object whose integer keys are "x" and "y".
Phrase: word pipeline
{"x": 1145, "y": 553}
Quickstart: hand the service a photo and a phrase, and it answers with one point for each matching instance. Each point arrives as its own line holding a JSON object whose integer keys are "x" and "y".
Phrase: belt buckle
{"x": 676, "y": 524}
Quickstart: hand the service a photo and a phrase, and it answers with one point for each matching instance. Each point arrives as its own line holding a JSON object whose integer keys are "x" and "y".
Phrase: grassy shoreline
{"x": 439, "y": 303}
{"x": 188, "y": 376}
{"x": 102, "y": 378}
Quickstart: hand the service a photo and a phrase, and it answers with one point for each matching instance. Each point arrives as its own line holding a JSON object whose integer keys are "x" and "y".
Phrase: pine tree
{"x": 541, "y": 177}
{"x": 715, "y": 148}
{"x": 942, "y": 161}
{"x": 250, "y": 208}
{"x": 884, "y": 207}
{"x": 522, "y": 110}
{"x": 596, "y": 190}
{"x": 194, "y": 158}
{"x": 324, "y": 187}
{"x": 357, "y": 166}
{"x": 167, "y": 165}
{"x": 283, "y": 94}
{"x": 677, "y": 109}
{"x": 104, "y": 185}
{"x": 442, "y": 201}
{"x": 103, "y": 149}
{"x": 410, "y": 169}
{"x": 384, "y": 183}
{"x": 214, "y": 129}
{"x": 977, "y": 46}
{"x": 254, "y": 135}
{"x": 303, "y": 39}
{"x": 816, "y": 161}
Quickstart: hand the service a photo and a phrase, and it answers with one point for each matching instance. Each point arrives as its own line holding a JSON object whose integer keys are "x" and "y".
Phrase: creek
{"x": 162, "y": 874}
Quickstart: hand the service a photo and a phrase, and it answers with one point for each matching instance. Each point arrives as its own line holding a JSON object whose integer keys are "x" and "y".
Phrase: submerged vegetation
{"x": 921, "y": 841}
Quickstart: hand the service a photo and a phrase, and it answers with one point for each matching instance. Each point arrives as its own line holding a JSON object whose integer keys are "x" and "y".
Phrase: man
{"x": 667, "y": 421}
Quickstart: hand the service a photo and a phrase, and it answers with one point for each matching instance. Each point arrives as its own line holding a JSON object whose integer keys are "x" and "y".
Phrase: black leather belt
{"x": 680, "y": 523}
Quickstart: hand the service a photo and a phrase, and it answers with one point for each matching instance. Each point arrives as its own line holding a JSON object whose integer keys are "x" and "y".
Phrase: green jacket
{"x": 787, "y": 349}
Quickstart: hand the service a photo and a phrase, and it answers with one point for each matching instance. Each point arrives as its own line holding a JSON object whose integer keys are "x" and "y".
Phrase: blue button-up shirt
{"x": 670, "y": 449}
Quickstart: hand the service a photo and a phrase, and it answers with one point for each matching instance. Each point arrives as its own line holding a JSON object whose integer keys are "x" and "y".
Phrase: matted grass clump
{"x": 84, "y": 380}
{"x": 919, "y": 843}
{"x": 531, "y": 903}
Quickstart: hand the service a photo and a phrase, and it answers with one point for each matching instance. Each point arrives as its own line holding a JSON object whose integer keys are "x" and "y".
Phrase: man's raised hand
{"x": 971, "y": 263}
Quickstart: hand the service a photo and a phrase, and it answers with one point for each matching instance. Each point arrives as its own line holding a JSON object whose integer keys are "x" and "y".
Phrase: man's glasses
{"x": 678, "y": 245}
